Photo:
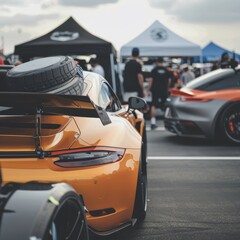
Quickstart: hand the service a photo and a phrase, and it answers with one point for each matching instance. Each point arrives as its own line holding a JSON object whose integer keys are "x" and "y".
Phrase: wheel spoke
{"x": 79, "y": 223}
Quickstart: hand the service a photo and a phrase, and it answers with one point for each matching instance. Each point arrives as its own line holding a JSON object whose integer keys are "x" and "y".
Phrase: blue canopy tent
{"x": 212, "y": 53}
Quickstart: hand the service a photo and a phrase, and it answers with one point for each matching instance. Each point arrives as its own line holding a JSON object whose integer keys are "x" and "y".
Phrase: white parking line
{"x": 189, "y": 158}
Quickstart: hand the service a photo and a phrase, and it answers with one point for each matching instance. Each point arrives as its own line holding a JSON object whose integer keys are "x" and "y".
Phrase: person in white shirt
{"x": 187, "y": 76}
{"x": 96, "y": 67}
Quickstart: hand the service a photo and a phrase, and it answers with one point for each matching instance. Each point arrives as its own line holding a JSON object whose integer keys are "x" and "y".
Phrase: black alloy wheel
{"x": 230, "y": 123}
{"x": 41, "y": 211}
{"x": 69, "y": 221}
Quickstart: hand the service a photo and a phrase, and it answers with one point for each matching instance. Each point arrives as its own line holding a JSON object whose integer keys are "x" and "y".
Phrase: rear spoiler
{"x": 178, "y": 92}
{"x": 12, "y": 103}
{"x": 39, "y": 104}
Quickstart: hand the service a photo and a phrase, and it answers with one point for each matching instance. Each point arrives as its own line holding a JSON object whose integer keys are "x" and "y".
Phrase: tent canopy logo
{"x": 64, "y": 36}
{"x": 159, "y": 34}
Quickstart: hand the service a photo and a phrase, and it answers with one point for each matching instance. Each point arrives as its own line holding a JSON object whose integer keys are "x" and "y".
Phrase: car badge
{"x": 159, "y": 34}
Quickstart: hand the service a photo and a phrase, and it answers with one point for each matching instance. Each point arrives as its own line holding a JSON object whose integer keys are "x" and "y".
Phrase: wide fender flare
{"x": 30, "y": 209}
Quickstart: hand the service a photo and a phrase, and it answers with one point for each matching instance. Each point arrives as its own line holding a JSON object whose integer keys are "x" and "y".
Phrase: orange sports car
{"x": 59, "y": 124}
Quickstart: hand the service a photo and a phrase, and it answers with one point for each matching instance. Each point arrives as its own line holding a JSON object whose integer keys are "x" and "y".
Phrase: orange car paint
{"x": 227, "y": 94}
{"x": 102, "y": 186}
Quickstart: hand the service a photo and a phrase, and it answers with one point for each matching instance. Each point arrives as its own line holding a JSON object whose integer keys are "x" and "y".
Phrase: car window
{"x": 205, "y": 78}
{"x": 108, "y": 100}
{"x": 228, "y": 82}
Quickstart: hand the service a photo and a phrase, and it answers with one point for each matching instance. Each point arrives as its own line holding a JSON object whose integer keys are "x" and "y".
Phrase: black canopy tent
{"x": 71, "y": 39}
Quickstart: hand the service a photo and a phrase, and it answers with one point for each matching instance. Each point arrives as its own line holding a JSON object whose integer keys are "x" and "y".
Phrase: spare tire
{"x": 41, "y": 74}
{"x": 74, "y": 87}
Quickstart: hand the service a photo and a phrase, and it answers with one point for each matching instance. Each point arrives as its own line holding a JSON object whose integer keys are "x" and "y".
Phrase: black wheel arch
{"x": 38, "y": 204}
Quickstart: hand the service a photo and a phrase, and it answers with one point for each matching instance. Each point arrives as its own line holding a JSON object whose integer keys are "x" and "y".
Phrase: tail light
{"x": 88, "y": 156}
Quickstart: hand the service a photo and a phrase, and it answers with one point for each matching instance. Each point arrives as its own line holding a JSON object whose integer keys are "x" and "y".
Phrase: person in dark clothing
{"x": 159, "y": 83}
{"x": 133, "y": 83}
{"x": 225, "y": 59}
{"x": 227, "y": 62}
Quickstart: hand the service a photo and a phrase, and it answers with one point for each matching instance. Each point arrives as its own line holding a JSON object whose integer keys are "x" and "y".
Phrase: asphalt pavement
{"x": 194, "y": 190}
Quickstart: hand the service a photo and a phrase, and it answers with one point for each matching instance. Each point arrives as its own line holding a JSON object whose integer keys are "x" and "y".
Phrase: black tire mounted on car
{"x": 69, "y": 221}
{"x": 44, "y": 75}
{"x": 140, "y": 204}
{"x": 43, "y": 211}
{"x": 230, "y": 123}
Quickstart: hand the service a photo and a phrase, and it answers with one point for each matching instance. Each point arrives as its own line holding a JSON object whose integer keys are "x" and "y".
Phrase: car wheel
{"x": 140, "y": 204}
{"x": 144, "y": 149}
{"x": 41, "y": 74}
{"x": 42, "y": 211}
{"x": 69, "y": 221}
{"x": 230, "y": 123}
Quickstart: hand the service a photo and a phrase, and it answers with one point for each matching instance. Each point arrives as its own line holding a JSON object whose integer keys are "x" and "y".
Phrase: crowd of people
{"x": 160, "y": 80}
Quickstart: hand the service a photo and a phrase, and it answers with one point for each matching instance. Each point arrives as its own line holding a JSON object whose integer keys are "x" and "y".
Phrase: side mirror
{"x": 136, "y": 103}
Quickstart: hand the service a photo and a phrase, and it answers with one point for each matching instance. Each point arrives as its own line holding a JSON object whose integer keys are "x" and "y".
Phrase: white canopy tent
{"x": 158, "y": 40}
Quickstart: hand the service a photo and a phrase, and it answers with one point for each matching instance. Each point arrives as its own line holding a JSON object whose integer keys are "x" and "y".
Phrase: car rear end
{"x": 192, "y": 113}
{"x": 194, "y": 109}
{"x": 43, "y": 143}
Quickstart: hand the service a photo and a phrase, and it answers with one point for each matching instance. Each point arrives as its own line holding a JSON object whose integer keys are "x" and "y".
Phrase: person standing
{"x": 96, "y": 67}
{"x": 159, "y": 82}
{"x": 133, "y": 83}
{"x": 227, "y": 61}
{"x": 187, "y": 76}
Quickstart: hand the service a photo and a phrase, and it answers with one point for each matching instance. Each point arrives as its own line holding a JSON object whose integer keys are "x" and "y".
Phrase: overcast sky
{"x": 119, "y": 21}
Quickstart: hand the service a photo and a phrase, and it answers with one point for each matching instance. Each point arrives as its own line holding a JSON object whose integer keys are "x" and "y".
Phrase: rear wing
{"x": 12, "y": 103}
{"x": 178, "y": 92}
{"x": 39, "y": 104}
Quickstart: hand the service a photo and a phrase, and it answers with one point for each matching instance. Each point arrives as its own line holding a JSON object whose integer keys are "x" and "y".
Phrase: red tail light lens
{"x": 88, "y": 156}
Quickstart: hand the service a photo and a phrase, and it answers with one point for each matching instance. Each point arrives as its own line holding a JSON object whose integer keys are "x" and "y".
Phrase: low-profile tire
{"x": 229, "y": 124}
{"x": 144, "y": 149}
{"x": 41, "y": 74}
{"x": 140, "y": 204}
{"x": 69, "y": 221}
{"x": 47, "y": 211}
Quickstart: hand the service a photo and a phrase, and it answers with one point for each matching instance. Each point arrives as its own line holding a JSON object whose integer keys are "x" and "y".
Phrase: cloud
{"x": 20, "y": 4}
{"x": 5, "y": 9}
{"x": 12, "y": 38}
{"x": 201, "y": 11}
{"x": 26, "y": 20}
{"x": 85, "y": 3}
{"x": 13, "y": 2}
{"x": 48, "y": 4}
{"x": 162, "y": 3}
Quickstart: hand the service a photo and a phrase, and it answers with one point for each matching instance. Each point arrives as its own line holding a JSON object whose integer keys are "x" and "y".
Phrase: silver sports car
{"x": 208, "y": 106}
